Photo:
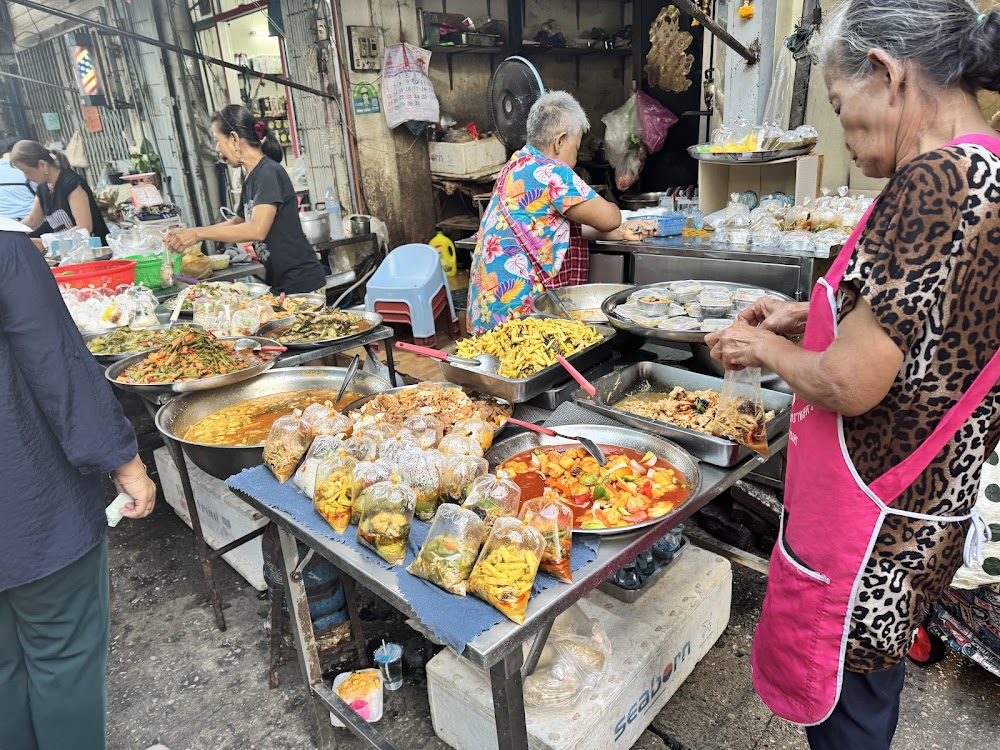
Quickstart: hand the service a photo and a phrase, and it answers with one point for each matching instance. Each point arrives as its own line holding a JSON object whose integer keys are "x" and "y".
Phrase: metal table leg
{"x": 508, "y": 702}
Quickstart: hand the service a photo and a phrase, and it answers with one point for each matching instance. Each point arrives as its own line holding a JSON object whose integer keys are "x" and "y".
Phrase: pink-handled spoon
{"x": 586, "y": 442}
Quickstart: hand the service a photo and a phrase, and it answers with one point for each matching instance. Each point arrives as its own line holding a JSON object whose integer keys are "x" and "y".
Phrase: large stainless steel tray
{"x": 188, "y": 386}
{"x": 662, "y": 378}
{"x": 355, "y": 405}
{"x": 110, "y": 359}
{"x": 751, "y": 157}
{"x": 657, "y": 334}
{"x": 621, "y": 437}
{"x": 584, "y": 297}
{"x": 519, "y": 390}
{"x": 222, "y": 461}
{"x": 274, "y": 328}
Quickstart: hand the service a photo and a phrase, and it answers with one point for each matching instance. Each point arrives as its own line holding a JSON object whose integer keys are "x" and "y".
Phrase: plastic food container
{"x": 715, "y": 304}
{"x": 680, "y": 324}
{"x": 655, "y": 303}
{"x": 685, "y": 291}
{"x": 694, "y": 310}
{"x": 676, "y": 311}
{"x": 371, "y": 711}
{"x": 745, "y": 298}
{"x": 715, "y": 324}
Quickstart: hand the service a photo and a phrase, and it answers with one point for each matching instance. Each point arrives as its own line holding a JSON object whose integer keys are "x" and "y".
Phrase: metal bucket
{"x": 316, "y": 226}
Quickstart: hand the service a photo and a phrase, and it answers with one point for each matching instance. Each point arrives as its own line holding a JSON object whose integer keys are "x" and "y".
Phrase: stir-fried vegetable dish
{"x": 321, "y": 325}
{"x": 192, "y": 355}
{"x": 134, "y": 340}
{"x": 693, "y": 410}
{"x": 629, "y": 489}
{"x": 526, "y": 346}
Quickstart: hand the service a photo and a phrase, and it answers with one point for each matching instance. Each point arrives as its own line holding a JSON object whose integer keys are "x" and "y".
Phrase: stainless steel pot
{"x": 637, "y": 201}
{"x": 221, "y": 461}
{"x": 316, "y": 226}
{"x": 360, "y": 225}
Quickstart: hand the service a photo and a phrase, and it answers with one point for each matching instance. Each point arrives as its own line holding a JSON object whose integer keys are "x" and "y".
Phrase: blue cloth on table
{"x": 454, "y": 620}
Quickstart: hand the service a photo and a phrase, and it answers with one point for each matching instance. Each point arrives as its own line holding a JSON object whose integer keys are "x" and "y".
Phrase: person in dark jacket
{"x": 61, "y": 429}
{"x": 64, "y": 200}
{"x": 268, "y": 211}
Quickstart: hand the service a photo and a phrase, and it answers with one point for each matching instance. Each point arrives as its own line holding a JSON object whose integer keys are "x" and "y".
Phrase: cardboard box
{"x": 224, "y": 517}
{"x": 800, "y": 178}
{"x": 656, "y": 644}
{"x": 480, "y": 158}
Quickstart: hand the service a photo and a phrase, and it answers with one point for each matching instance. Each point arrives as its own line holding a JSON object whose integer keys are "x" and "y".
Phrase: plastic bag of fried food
{"x": 506, "y": 568}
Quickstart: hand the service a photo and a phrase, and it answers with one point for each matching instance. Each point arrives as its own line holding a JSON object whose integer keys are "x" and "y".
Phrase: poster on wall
{"x": 51, "y": 121}
{"x": 365, "y": 97}
{"x": 92, "y": 119}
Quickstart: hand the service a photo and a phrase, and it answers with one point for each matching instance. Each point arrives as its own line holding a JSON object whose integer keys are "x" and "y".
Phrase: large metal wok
{"x": 586, "y": 298}
{"x": 622, "y": 437}
{"x": 175, "y": 418}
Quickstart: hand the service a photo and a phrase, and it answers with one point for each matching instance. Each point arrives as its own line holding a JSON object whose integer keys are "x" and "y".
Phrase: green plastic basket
{"x": 147, "y": 269}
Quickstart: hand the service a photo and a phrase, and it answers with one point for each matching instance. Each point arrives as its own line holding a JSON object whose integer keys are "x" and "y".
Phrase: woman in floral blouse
{"x": 535, "y": 229}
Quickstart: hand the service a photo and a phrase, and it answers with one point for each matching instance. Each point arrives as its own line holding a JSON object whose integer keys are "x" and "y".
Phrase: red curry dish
{"x": 630, "y": 489}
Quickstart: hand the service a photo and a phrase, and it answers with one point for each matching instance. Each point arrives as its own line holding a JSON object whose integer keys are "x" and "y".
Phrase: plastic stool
{"x": 411, "y": 287}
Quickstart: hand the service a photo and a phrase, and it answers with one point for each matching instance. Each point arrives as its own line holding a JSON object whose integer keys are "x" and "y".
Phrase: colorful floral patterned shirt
{"x": 537, "y": 191}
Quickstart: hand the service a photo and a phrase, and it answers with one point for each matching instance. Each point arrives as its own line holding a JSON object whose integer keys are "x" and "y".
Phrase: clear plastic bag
{"x": 740, "y": 413}
{"x": 554, "y": 521}
{"x": 506, "y": 568}
{"x": 286, "y": 444}
{"x": 627, "y": 172}
{"x": 493, "y": 497}
{"x": 621, "y": 132}
{"x": 391, "y": 448}
{"x": 386, "y": 517}
{"x": 313, "y": 414}
{"x": 450, "y": 550}
{"x": 421, "y": 469}
{"x": 460, "y": 445}
{"x": 427, "y": 430}
{"x": 573, "y": 660}
{"x": 654, "y": 121}
{"x": 477, "y": 429}
{"x": 361, "y": 448}
{"x": 322, "y": 449}
{"x": 377, "y": 431}
{"x": 334, "y": 424}
{"x": 333, "y": 498}
{"x": 458, "y": 473}
{"x": 364, "y": 475}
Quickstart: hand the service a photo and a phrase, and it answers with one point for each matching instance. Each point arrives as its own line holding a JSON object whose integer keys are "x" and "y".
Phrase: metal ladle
{"x": 590, "y": 445}
{"x": 485, "y": 362}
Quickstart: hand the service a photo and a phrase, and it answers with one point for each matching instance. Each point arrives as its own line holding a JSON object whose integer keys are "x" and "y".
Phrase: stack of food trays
{"x": 527, "y": 349}
{"x": 682, "y": 310}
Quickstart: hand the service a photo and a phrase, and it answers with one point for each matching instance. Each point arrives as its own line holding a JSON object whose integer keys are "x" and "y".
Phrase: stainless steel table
{"x": 499, "y": 649}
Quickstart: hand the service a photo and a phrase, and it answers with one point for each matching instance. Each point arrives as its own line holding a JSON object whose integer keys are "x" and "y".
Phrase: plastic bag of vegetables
{"x": 554, "y": 521}
{"x": 458, "y": 473}
{"x": 286, "y": 444}
{"x": 493, "y": 497}
{"x": 421, "y": 469}
{"x": 324, "y": 447}
{"x": 386, "y": 517}
{"x": 450, "y": 550}
{"x": 364, "y": 475}
{"x": 506, "y": 568}
{"x": 332, "y": 497}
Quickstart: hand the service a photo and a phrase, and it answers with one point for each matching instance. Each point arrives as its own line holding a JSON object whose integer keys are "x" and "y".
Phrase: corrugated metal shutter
{"x": 50, "y": 61}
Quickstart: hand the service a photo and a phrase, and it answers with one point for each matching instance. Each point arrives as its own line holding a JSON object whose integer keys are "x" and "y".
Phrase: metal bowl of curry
{"x": 300, "y": 385}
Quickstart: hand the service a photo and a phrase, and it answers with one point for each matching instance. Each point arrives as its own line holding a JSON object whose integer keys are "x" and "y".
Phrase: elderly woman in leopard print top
{"x": 894, "y": 342}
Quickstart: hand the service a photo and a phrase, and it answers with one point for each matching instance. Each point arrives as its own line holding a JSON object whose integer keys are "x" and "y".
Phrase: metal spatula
{"x": 590, "y": 445}
{"x": 485, "y": 362}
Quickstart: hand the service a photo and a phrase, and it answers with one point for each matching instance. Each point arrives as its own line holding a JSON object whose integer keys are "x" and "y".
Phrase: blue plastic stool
{"x": 411, "y": 287}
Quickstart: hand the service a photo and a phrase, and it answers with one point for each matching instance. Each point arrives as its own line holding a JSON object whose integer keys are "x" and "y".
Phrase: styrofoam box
{"x": 799, "y": 177}
{"x": 466, "y": 159}
{"x": 224, "y": 517}
{"x": 656, "y": 643}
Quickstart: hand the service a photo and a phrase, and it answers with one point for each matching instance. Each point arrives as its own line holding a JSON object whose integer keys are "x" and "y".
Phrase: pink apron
{"x": 830, "y": 525}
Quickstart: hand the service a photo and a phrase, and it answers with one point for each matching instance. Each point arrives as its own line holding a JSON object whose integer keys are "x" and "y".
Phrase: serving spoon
{"x": 252, "y": 345}
{"x": 487, "y": 363}
{"x": 591, "y": 447}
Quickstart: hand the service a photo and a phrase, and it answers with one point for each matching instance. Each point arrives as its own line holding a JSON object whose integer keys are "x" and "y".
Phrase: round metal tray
{"x": 583, "y": 297}
{"x": 175, "y": 418}
{"x": 110, "y": 359}
{"x": 391, "y": 391}
{"x": 256, "y": 290}
{"x": 272, "y": 328}
{"x": 187, "y": 386}
{"x": 658, "y": 334}
{"x": 750, "y": 157}
{"x": 620, "y": 437}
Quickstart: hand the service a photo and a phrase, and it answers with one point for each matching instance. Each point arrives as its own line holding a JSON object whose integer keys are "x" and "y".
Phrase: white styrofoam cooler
{"x": 656, "y": 643}
{"x": 224, "y": 517}
{"x": 467, "y": 159}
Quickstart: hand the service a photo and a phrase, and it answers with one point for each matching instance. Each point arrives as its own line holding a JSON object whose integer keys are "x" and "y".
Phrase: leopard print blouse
{"x": 928, "y": 263}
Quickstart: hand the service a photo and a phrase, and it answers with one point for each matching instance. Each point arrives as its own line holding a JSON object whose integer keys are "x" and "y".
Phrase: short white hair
{"x": 554, "y": 113}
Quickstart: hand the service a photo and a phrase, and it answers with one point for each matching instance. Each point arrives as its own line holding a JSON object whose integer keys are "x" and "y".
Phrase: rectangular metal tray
{"x": 714, "y": 450}
{"x": 520, "y": 390}
{"x": 560, "y": 394}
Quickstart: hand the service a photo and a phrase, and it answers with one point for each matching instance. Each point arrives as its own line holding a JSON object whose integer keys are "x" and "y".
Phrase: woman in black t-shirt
{"x": 268, "y": 210}
{"x": 64, "y": 199}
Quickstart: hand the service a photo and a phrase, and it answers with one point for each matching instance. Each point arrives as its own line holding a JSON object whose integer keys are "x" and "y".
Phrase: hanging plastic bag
{"x": 572, "y": 662}
{"x": 554, "y": 521}
{"x": 627, "y": 174}
{"x": 654, "y": 121}
{"x": 506, "y": 568}
{"x": 621, "y": 132}
{"x": 287, "y": 443}
{"x": 740, "y": 414}
{"x": 407, "y": 92}
{"x": 386, "y": 519}
{"x": 450, "y": 550}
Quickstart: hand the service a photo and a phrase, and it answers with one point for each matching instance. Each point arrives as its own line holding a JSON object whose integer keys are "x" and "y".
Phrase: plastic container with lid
{"x": 715, "y": 304}
{"x": 371, "y": 710}
{"x": 679, "y": 324}
{"x": 685, "y": 291}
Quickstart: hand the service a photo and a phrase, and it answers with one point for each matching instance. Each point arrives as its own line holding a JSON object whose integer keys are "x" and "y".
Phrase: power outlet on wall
{"x": 366, "y": 47}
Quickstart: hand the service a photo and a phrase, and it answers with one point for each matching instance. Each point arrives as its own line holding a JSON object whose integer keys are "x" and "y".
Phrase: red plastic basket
{"x": 109, "y": 273}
